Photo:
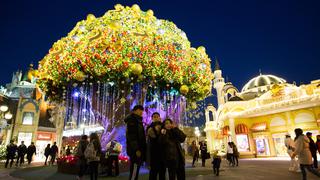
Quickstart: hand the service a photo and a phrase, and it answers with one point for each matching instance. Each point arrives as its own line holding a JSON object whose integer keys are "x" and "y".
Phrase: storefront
{"x": 242, "y": 138}
{"x": 26, "y": 137}
{"x": 262, "y": 145}
{"x": 43, "y": 139}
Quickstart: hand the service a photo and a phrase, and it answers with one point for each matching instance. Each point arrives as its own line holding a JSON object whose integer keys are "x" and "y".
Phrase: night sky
{"x": 278, "y": 37}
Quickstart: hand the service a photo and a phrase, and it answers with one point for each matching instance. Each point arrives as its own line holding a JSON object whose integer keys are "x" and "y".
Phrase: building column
{"x": 290, "y": 124}
{"x": 232, "y": 130}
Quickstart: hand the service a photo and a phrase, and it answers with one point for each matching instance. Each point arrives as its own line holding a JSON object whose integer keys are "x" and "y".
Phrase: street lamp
{"x": 4, "y": 108}
{"x": 8, "y": 116}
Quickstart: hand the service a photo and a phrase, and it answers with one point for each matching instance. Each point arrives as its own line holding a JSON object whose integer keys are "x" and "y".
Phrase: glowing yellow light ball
{"x": 194, "y": 105}
{"x": 90, "y": 17}
{"x": 80, "y": 76}
{"x": 184, "y": 89}
{"x": 114, "y": 25}
{"x": 136, "y": 7}
{"x": 149, "y": 12}
{"x": 118, "y": 7}
{"x": 136, "y": 69}
{"x": 201, "y": 49}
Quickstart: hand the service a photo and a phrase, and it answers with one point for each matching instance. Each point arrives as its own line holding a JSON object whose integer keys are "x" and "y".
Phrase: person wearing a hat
{"x": 290, "y": 145}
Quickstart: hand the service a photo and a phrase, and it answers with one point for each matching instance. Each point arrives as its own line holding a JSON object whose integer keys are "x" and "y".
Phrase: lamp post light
{"x": 5, "y": 115}
{"x": 4, "y": 108}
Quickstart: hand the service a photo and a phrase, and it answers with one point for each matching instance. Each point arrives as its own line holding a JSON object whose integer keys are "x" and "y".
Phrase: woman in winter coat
{"x": 92, "y": 154}
{"x": 304, "y": 154}
{"x": 82, "y": 145}
{"x": 170, "y": 138}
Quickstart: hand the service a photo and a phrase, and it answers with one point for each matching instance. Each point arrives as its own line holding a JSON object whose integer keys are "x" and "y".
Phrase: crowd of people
{"x": 159, "y": 147}
{"x": 19, "y": 153}
{"x": 22, "y": 151}
{"x": 305, "y": 149}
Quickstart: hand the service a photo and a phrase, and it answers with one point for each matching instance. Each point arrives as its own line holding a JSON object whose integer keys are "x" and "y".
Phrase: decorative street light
{"x": 8, "y": 115}
{"x": 4, "y": 116}
{"x": 4, "y": 108}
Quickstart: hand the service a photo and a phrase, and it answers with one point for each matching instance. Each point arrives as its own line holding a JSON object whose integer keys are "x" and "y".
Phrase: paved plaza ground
{"x": 249, "y": 169}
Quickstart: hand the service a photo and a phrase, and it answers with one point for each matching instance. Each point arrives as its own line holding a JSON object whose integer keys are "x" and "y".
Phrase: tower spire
{"x": 216, "y": 66}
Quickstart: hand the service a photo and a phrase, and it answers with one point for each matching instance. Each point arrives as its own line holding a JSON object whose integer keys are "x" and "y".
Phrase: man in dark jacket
{"x": 22, "y": 150}
{"x": 170, "y": 139}
{"x": 47, "y": 154}
{"x": 154, "y": 148}
{"x": 136, "y": 140}
{"x": 204, "y": 153}
{"x": 30, "y": 151}
{"x": 11, "y": 153}
{"x": 313, "y": 149}
{"x": 53, "y": 152}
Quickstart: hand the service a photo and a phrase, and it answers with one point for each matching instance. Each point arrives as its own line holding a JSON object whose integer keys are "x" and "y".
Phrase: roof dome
{"x": 262, "y": 80}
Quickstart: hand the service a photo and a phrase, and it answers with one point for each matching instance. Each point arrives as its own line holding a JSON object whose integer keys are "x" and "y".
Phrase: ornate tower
{"x": 218, "y": 83}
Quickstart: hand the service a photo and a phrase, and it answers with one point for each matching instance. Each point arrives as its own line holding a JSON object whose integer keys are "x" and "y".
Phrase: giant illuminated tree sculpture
{"x": 106, "y": 65}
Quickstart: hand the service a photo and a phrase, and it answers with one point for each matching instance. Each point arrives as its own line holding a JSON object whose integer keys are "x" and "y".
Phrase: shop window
{"x": 26, "y": 137}
{"x": 278, "y": 140}
{"x": 27, "y": 118}
{"x": 243, "y": 143}
{"x": 262, "y": 146}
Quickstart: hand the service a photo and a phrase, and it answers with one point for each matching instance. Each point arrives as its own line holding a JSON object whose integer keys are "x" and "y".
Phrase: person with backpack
{"x": 154, "y": 148}
{"x": 136, "y": 140}
{"x": 113, "y": 150}
{"x": 30, "y": 151}
{"x": 11, "y": 153}
{"x": 22, "y": 150}
{"x": 92, "y": 154}
{"x": 53, "y": 152}
{"x": 82, "y": 145}
{"x": 47, "y": 153}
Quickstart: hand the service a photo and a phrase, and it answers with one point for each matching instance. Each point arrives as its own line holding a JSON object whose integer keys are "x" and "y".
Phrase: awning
{"x": 259, "y": 127}
{"x": 241, "y": 129}
{"x": 225, "y": 130}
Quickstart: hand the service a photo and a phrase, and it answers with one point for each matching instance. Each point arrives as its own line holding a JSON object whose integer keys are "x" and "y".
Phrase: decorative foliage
{"x": 126, "y": 43}
{"x": 3, "y": 152}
